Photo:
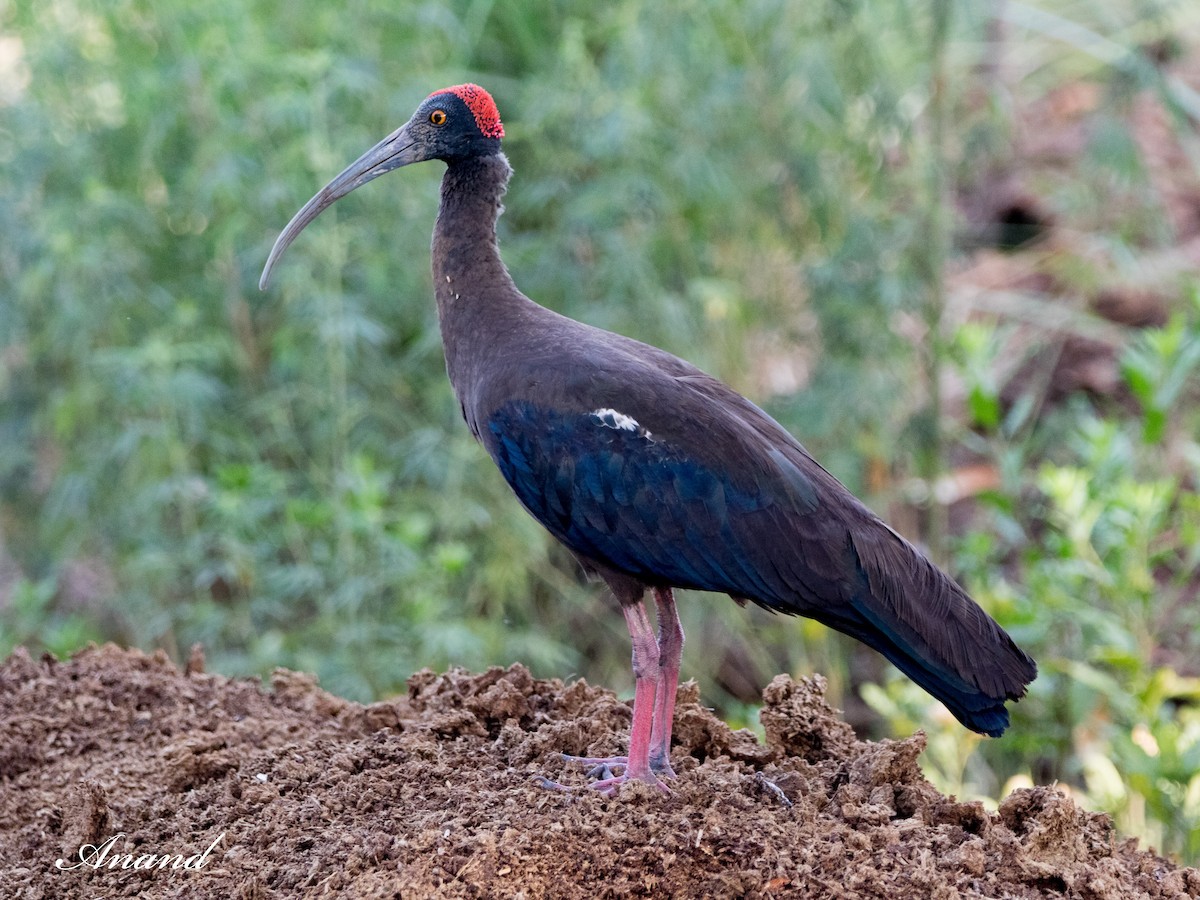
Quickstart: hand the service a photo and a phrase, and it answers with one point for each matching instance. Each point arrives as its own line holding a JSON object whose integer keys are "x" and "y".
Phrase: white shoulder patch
{"x": 610, "y": 418}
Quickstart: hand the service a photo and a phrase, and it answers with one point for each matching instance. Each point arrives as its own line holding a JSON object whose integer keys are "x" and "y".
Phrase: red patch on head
{"x": 481, "y": 105}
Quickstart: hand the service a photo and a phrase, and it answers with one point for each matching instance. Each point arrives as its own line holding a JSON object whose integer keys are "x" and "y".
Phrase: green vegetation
{"x": 767, "y": 188}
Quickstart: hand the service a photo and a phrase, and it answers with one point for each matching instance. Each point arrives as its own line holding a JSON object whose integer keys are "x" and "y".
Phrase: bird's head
{"x": 454, "y": 123}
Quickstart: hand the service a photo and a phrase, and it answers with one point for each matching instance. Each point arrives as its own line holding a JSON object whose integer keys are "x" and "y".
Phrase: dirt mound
{"x": 219, "y": 788}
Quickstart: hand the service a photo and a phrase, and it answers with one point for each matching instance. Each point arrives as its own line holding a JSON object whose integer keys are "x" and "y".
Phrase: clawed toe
{"x": 604, "y": 779}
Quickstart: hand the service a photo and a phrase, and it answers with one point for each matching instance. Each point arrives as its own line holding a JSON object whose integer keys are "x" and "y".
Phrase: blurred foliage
{"x": 1089, "y": 551}
{"x": 284, "y": 476}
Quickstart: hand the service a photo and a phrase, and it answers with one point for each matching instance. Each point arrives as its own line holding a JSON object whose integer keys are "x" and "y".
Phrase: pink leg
{"x": 645, "y": 691}
{"x": 670, "y": 650}
{"x": 647, "y": 674}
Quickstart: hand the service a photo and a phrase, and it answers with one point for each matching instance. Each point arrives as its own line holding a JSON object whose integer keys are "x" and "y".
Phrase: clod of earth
{"x": 433, "y": 794}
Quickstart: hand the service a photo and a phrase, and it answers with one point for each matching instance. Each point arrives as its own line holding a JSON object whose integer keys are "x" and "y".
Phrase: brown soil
{"x": 434, "y": 795}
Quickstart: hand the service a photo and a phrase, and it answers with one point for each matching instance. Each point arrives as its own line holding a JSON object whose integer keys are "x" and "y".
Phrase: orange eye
{"x": 438, "y": 117}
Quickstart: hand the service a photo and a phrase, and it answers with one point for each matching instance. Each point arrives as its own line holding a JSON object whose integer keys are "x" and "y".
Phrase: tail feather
{"x": 930, "y": 629}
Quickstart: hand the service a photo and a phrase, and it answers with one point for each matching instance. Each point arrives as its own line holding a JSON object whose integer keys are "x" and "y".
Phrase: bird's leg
{"x": 670, "y": 650}
{"x": 647, "y": 674}
{"x": 646, "y": 677}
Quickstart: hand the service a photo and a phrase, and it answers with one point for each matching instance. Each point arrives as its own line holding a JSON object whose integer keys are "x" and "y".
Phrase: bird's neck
{"x": 476, "y": 296}
{"x": 466, "y": 259}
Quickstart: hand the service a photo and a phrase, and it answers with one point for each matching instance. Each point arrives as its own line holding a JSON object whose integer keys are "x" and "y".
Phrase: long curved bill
{"x": 397, "y": 149}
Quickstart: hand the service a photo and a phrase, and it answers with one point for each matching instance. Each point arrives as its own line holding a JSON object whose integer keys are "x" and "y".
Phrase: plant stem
{"x": 936, "y": 251}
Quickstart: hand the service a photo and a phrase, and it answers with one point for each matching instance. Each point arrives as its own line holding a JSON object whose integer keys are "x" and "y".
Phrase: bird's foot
{"x": 605, "y": 780}
{"x": 608, "y": 785}
{"x": 660, "y": 766}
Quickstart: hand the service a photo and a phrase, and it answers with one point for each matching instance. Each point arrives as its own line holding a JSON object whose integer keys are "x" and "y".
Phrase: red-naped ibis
{"x": 658, "y": 476}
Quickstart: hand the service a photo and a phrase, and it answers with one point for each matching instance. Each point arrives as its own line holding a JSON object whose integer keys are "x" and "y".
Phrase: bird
{"x": 657, "y": 476}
